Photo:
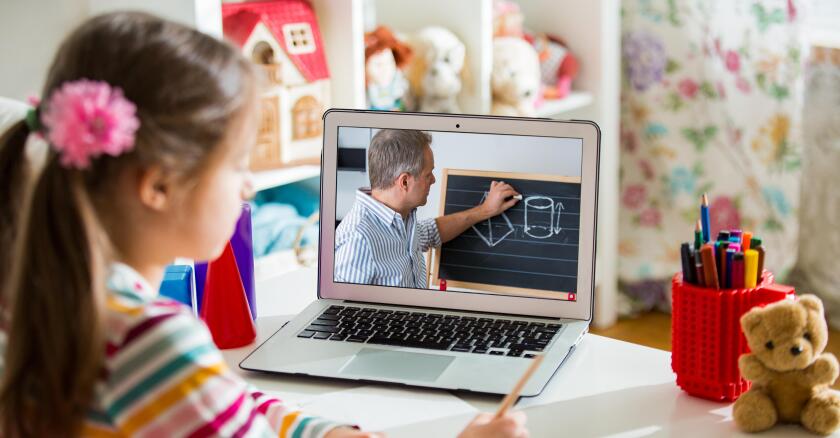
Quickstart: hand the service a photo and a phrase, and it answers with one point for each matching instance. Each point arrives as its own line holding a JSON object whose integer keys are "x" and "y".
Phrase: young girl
{"x": 149, "y": 126}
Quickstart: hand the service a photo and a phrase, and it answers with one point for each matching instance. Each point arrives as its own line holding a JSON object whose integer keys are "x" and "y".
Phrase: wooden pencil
{"x": 510, "y": 399}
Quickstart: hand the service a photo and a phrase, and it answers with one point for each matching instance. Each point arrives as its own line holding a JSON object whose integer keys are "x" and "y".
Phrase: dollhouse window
{"x": 299, "y": 38}
{"x": 306, "y": 118}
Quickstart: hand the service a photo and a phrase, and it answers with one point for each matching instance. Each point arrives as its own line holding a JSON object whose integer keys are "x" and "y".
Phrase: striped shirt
{"x": 375, "y": 245}
{"x": 163, "y": 376}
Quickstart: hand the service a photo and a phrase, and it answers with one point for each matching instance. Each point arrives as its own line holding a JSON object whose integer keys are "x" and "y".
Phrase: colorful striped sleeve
{"x": 167, "y": 378}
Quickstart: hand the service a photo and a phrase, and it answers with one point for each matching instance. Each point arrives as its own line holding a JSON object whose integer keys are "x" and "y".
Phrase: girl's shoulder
{"x": 134, "y": 309}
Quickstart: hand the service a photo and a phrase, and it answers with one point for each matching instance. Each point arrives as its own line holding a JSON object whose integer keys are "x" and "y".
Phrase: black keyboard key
{"x": 461, "y": 348}
{"x": 306, "y": 334}
{"x": 356, "y": 338}
{"x": 328, "y": 316}
{"x": 515, "y": 353}
{"x": 428, "y": 344}
{"x": 338, "y": 337}
{"x": 497, "y": 353}
{"x": 322, "y": 335}
{"x": 479, "y": 350}
{"x": 323, "y": 328}
{"x": 529, "y": 355}
{"x": 324, "y": 322}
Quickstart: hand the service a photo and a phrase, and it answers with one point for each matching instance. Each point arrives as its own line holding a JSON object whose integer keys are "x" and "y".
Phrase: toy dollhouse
{"x": 283, "y": 37}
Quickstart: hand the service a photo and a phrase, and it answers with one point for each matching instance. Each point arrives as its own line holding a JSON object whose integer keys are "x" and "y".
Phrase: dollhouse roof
{"x": 239, "y": 20}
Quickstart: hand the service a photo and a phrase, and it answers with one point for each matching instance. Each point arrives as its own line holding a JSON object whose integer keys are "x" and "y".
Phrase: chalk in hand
{"x": 519, "y": 197}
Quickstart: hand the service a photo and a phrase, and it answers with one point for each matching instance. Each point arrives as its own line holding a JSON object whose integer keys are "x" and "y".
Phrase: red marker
{"x": 443, "y": 285}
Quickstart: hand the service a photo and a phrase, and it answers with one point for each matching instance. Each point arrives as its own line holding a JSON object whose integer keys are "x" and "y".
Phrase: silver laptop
{"x": 453, "y": 249}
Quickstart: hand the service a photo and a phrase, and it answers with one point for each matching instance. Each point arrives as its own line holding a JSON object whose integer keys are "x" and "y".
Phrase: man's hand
{"x": 499, "y": 198}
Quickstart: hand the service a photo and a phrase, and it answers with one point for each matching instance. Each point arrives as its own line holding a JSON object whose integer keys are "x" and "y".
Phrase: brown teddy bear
{"x": 789, "y": 372}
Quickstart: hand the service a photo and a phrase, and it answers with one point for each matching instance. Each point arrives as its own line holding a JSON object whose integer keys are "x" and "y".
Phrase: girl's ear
{"x": 155, "y": 187}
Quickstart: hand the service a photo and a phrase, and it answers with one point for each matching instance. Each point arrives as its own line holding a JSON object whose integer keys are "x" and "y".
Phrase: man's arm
{"x": 452, "y": 225}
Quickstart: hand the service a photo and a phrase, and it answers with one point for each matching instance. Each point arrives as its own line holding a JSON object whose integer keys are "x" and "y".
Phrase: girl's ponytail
{"x": 14, "y": 177}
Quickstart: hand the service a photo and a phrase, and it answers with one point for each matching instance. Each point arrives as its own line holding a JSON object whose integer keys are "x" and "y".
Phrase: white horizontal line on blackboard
{"x": 507, "y": 270}
{"x": 524, "y": 241}
{"x": 485, "y": 191}
{"x": 563, "y": 213}
{"x": 511, "y": 255}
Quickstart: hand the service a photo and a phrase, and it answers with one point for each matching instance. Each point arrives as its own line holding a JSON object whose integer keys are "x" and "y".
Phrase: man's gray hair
{"x": 393, "y": 152}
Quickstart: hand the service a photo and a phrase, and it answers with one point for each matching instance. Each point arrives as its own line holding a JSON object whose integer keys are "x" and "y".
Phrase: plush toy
{"x": 507, "y": 19}
{"x": 789, "y": 372}
{"x": 385, "y": 57}
{"x": 558, "y": 66}
{"x": 515, "y": 78}
{"x": 435, "y": 71}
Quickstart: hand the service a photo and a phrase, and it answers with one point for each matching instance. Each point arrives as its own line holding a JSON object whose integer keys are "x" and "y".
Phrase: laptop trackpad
{"x": 397, "y": 365}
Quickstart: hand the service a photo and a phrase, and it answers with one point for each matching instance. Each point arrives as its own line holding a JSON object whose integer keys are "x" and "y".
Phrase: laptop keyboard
{"x": 465, "y": 334}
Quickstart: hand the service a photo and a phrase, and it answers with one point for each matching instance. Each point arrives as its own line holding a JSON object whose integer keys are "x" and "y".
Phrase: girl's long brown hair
{"x": 188, "y": 88}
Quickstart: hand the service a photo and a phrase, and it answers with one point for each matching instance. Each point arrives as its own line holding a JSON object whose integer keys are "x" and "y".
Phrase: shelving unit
{"x": 592, "y": 30}
{"x": 267, "y": 179}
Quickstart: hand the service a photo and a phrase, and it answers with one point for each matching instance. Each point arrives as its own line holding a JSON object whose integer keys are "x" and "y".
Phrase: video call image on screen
{"x": 454, "y": 211}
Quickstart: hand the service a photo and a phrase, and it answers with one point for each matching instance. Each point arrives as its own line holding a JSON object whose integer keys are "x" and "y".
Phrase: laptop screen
{"x": 458, "y": 212}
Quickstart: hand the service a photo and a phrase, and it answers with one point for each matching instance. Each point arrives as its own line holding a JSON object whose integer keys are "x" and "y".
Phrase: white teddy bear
{"x": 515, "y": 79}
{"x": 435, "y": 70}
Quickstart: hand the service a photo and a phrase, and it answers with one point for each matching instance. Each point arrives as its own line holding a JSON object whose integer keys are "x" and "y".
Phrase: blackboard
{"x": 531, "y": 249}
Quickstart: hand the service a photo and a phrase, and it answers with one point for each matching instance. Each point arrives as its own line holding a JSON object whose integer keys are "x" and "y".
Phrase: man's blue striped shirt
{"x": 374, "y": 245}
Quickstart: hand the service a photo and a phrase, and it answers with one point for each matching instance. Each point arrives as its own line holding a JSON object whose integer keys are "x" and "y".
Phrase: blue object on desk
{"x": 177, "y": 283}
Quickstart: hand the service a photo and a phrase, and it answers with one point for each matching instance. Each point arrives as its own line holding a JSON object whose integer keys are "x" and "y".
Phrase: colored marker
{"x": 738, "y": 270}
{"x": 735, "y": 236}
{"x": 707, "y": 255}
{"x": 698, "y": 236}
{"x": 692, "y": 266}
{"x": 746, "y": 240}
{"x": 687, "y": 272}
{"x": 720, "y": 259}
{"x": 701, "y": 275}
{"x": 756, "y": 245}
{"x": 730, "y": 255}
{"x": 750, "y": 267}
{"x": 723, "y": 236}
{"x": 704, "y": 216}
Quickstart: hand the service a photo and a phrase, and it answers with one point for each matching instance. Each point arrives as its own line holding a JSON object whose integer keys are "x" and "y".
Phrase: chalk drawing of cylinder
{"x": 542, "y": 217}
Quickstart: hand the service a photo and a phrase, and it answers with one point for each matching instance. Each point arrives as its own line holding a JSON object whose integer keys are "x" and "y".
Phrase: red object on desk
{"x": 224, "y": 306}
{"x": 706, "y": 335}
{"x": 443, "y": 285}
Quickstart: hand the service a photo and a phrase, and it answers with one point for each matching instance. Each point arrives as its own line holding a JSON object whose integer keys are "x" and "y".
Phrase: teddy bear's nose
{"x": 795, "y": 350}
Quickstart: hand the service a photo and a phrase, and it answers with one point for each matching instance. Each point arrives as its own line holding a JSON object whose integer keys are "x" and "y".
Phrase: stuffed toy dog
{"x": 435, "y": 71}
{"x": 515, "y": 78}
{"x": 789, "y": 372}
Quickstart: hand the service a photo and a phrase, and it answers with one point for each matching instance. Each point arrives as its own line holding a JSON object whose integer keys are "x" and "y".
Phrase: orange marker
{"x": 746, "y": 239}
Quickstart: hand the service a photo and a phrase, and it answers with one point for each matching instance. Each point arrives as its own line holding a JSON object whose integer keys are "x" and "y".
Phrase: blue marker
{"x": 704, "y": 217}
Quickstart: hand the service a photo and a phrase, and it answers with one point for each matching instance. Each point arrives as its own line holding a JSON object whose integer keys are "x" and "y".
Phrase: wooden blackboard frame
{"x": 483, "y": 287}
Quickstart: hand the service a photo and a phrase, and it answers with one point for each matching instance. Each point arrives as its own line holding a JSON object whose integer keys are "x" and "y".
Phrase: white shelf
{"x": 267, "y": 179}
{"x": 553, "y": 107}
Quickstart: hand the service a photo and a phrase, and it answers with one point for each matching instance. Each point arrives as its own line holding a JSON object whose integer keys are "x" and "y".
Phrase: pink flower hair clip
{"x": 85, "y": 119}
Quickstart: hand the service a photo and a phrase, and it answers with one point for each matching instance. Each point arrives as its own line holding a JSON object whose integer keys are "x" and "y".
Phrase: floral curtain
{"x": 817, "y": 268}
{"x": 711, "y": 99}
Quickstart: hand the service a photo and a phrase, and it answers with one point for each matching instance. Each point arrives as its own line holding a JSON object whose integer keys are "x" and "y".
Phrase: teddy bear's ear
{"x": 751, "y": 320}
{"x": 811, "y": 302}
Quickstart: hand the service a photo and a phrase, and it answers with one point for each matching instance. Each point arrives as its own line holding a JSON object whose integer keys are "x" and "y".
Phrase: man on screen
{"x": 380, "y": 241}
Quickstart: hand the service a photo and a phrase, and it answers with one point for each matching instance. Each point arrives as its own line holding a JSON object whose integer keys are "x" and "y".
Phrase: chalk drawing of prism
{"x": 494, "y": 230}
{"x": 542, "y": 217}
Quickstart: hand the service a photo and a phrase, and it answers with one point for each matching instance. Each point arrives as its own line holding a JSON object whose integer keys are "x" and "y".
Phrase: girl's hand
{"x": 349, "y": 432}
{"x": 512, "y": 425}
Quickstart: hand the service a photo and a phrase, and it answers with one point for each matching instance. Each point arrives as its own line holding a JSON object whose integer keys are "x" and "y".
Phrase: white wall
{"x": 30, "y": 33}
{"x": 455, "y": 150}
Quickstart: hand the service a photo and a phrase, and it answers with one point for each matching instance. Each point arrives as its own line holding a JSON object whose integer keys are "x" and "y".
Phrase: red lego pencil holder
{"x": 706, "y": 336}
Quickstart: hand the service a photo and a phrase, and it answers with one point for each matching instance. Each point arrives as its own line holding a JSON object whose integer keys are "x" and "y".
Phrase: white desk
{"x": 606, "y": 388}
